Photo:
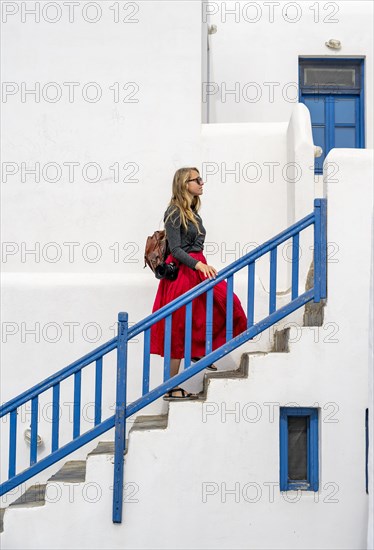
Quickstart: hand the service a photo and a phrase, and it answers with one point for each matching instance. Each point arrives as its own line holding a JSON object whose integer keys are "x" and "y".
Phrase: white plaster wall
{"x": 247, "y": 164}
{"x": 233, "y": 163}
{"x": 370, "y": 538}
{"x": 213, "y": 474}
{"x": 72, "y": 250}
{"x": 159, "y": 133}
{"x": 208, "y": 450}
{"x": 353, "y": 240}
{"x": 353, "y": 248}
{"x": 300, "y": 180}
{"x": 264, "y": 52}
{"x": 159, "y": 136}
{"x": 300, "y": 156}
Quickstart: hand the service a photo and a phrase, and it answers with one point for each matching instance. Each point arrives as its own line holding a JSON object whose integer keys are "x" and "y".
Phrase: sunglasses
{"x": 198, "y": 180}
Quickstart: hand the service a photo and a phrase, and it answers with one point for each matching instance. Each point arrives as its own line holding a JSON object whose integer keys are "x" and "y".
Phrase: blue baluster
{"x": 34, "y": 430}
{"x": 120, "y": 417}
{"x": 77, "y": 404}
{"x": 98, "y": 389}
{"x": 317, "y": 251}
{"x": 295, "y": 266}
{"x": 12, "y": 444}
{"x": 323, "y": 203}
{"x": 55, "y": 416}
{"x": 229, "y": 307}
{"x": 251, "y": 294}
{"x": 209, "y": 321}
{"x": 167, "y": 348}
{"x": 188, "y": 336}
{"x": 146, "y": 360}
{"x": 273, "y": 280}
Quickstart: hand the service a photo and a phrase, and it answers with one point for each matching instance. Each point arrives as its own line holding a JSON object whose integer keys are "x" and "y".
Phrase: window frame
{"x": 357, "y": 62}
{"x": 332, "y": 63}
{"x": 312, "y": 481}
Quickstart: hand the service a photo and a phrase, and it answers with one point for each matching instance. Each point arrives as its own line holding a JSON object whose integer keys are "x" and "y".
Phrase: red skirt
{"x": 169, "y": 290}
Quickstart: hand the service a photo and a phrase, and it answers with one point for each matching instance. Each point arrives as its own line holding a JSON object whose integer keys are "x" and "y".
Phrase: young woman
{"x": 186, "y": 234}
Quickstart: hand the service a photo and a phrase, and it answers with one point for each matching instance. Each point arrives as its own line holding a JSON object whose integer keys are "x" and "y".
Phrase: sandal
{"x": 169, "y": 396}
{"x": 209, "y": 367}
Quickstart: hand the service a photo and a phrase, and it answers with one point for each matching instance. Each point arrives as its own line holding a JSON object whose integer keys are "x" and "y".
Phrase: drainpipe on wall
{"x": 212, "y": 29}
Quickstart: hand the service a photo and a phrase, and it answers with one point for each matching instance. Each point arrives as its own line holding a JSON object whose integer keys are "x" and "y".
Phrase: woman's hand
{"x": 208, "y": 270}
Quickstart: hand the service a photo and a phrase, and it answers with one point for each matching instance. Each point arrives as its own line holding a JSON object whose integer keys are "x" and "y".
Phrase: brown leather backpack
{"x": 156, "y": 249}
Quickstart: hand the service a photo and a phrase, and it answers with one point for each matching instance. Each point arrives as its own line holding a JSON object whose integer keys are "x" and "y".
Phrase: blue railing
{"x": 318, "y": 218}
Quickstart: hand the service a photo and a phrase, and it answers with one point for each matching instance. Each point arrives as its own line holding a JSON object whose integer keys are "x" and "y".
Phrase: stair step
{"x": 150, "y": 422}
{"x": 237, "y": 373}
{"x": 103, "y": 448}
{"x": 34, "y": 496}
{"x": 241, "y": 372}
{"x": 106, "y": 448}
{"x": 73, "y": 471}
{"x": 314, "y": 314}
{"x": 281, "y": 339}
{"x": 2, "y": 512}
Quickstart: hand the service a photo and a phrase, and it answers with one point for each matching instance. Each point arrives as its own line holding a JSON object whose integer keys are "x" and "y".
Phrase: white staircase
{"x": 206, "y": 475}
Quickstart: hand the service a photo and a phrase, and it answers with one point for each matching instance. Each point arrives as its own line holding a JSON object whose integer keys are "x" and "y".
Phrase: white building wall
{"x": 73, "y": 250}
{"x": 370, "y": 537}
{"x": 266, "y": 39}
{"x": 88, "y": 237}
{"x": 213, "y": 474}
{"x": 80, "y": 299}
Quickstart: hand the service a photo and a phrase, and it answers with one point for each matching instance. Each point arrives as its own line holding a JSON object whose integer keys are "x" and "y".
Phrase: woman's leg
{"x": 209, "y": 367}
{"x": 177, "y": 392}
{"x": 174, "y": 367}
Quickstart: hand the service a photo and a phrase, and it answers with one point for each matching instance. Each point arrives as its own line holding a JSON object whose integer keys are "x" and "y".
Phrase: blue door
{"x": 333, "y": 93}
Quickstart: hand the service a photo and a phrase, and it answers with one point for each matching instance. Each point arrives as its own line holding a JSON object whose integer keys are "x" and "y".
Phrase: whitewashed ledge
{"x": 145, "y": 279}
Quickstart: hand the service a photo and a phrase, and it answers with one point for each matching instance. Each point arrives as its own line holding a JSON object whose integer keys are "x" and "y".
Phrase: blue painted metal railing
{"x": 318, "y": 218}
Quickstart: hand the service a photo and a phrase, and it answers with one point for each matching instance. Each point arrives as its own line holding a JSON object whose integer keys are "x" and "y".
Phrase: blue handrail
{"x": 318, "y": 218}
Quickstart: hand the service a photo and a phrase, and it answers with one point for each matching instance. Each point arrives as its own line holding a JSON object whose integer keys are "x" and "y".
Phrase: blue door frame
{"x": 337, "y": 112}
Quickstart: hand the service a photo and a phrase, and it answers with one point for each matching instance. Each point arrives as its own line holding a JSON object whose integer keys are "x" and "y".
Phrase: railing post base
{"x": 320, "y": 249}
{"x": 120, "y": 418}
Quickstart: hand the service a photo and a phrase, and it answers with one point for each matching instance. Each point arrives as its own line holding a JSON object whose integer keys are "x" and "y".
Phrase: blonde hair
{"x": 181, "y": 200}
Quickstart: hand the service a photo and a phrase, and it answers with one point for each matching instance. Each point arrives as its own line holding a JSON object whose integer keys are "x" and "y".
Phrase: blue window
{"x": 298, "y": 449}
{"x": 333, "y": 91}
